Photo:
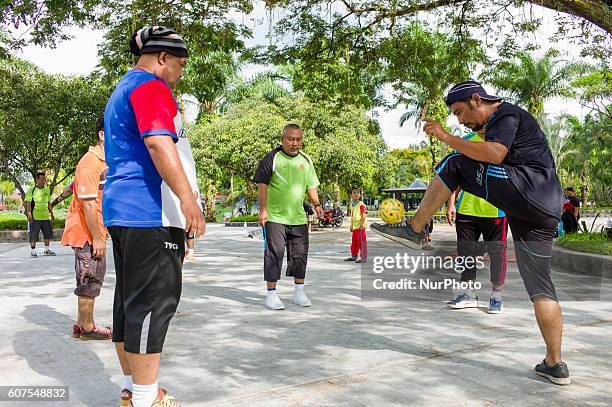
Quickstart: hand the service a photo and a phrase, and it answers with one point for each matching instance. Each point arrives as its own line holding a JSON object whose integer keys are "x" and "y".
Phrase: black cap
{"x": 464, "y": 90}
{"x": 571, "y": 189}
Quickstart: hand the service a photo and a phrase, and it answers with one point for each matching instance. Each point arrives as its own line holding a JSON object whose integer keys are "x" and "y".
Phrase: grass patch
{"x": 220, "y": 210}
{"x": 14, "y": 215}
{"x": 245, "y": 218}
{"x": 597, "y": 243}
{"x": 13, "y": 220}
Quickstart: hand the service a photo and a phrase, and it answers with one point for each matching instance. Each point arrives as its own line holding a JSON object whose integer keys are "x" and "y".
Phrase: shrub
{"x": 12, "y": 204}
{"x": 245, "y": 218}
{"x": 22, "y": 224}
{"x": 13, "y": 224}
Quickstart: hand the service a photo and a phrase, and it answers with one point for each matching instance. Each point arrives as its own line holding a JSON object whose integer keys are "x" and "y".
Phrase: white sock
{"x": 271, "y": 292}
{"x": 127, "y": 382}
{"x": 496, "y": 294}
{"x": 46, "y": 247}
{"x": 143, "y": 395}
{"x": 33, "y": 250}
{"x": 299, "y": 287}
{"x": 191, "y": 251}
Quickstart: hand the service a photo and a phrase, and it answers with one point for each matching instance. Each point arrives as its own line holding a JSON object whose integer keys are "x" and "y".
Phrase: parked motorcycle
{"x": 333, "y": 217}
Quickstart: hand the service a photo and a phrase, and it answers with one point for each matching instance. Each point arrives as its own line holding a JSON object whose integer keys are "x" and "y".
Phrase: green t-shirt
{"x": 288, "y": 178}
{"x": 41, "y": 198}
{"x": 468, "y": 204}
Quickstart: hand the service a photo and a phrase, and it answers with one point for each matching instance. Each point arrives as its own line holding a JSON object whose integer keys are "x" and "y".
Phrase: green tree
{"x": 365, "y": 22}
{"x": 336, "y": 77}
{"x": 591, "y": 141}
{"x": 46, "y": 121}
{"x": 204, "y": 25}
{"x": 530, "y": 81}
{"x": 7, "y": 187}
{"x": 207, "y": 77}
{"x": 345, "y": 145}
{"x": 265, "y": 86}
{"x": 409, "y": 165}
{"x": 238, "y": 140}
{"x": 558, "y": 134}
{"x": 436, "y": 62}
{"x": 594, "y": 86}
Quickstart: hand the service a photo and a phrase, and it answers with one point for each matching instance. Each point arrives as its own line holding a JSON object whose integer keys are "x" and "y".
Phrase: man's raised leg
{"x": 437, "y": 195}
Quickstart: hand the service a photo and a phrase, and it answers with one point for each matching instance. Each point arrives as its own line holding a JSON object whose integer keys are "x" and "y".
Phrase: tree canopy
{"x": 46, "y": 121}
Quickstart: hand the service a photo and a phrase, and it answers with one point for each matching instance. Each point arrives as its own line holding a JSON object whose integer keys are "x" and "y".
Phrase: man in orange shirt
{"x": 85, "y": 232}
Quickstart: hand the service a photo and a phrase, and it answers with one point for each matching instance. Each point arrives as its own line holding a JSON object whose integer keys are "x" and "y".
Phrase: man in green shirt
{"x": 284, "y": 177}
{"x": 39, "y": 213}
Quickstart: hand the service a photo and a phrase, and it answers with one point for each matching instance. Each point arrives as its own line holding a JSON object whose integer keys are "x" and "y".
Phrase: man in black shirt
{"x": 570, "y": 198}
{"x": 513, "y": 170}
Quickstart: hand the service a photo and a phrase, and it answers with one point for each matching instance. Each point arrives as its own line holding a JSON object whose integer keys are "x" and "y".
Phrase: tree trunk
{"x": 583, "y": 189}
{"x": 211, "y": 212}
{"x": 248, "y": 199}
{"x": 595, "y": 11}
{"x": 336, "y": 193}
{"x": 432, "y": 140}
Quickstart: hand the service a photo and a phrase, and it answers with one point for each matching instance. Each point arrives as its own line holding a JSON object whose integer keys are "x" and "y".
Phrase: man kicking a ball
{"x": 284, "y": 176}
{"x": 514, "y": 170}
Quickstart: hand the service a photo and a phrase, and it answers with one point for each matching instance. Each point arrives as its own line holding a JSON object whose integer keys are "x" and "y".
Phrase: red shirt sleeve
{"x": 155, "y": 109}
{"x": 364, "y": 209}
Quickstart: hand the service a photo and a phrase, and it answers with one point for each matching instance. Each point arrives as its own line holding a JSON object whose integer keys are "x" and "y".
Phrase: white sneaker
{"x": 463, "y": 301}
{"x": 274, "y": 302}
{"x": 33, "y": 253}
{"x": 299, "y": 298}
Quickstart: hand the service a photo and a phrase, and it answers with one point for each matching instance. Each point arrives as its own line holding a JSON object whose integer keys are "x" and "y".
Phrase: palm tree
{"x": 558, "y": 135}
{"x": 208, "y": 77}
{"x": 530, "y": 81}
{"x": 436, "y": 62}
{"x": 265, "y": 86}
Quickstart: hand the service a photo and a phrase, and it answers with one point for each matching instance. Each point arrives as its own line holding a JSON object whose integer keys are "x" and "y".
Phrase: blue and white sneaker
{"x": 495, "y": 306}
{"x": 463, "y": 301}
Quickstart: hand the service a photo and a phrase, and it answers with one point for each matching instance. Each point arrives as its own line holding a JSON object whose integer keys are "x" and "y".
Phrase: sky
{"x": 79, "y": 56}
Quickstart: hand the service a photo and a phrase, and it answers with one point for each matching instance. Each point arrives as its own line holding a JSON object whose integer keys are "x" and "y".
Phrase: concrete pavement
{"x": 225, "y": 349}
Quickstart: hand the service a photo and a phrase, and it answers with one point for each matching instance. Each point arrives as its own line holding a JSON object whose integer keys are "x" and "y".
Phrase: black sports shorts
{"x": 148, "y": 264}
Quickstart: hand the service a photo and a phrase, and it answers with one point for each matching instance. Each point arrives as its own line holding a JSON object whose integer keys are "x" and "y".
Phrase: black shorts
{"x": 36, "y": 226}
{"x": 277, "y": 238}
{"x": 532, "y": 229}
{"x": 148, "y": 263}
{"x": 494, "y": 232}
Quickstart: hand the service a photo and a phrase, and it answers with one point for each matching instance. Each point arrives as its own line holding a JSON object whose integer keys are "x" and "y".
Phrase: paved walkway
{"x": 225, "y": 349}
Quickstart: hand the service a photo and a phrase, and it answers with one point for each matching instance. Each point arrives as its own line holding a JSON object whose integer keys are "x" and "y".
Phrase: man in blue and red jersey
{"x": 150, "y": 200}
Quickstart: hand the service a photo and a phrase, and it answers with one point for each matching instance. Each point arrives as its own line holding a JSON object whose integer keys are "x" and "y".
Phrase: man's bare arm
{"x": 262, "y": 198}
{"x": 91, "y": 219}
{"x": 313, "y": 195}
{"x": 488, "y": 151}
